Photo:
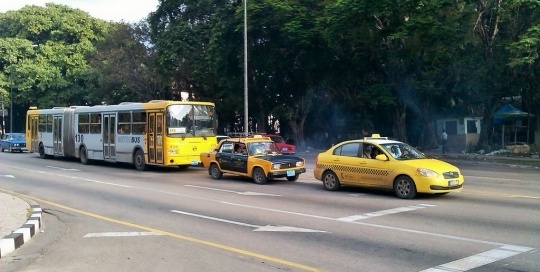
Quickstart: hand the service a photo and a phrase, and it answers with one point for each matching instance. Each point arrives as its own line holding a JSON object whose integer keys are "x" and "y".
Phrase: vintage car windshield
{"x": 277, "y": 139}
{"x": 262, "y": 148}
{"x": 190, "y": 120}
{"x": 402, "y": 151}
{"x": 16, "y": 137}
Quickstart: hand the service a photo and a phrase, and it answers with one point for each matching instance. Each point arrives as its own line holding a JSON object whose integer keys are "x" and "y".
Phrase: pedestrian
{"x": 444, "y": 141}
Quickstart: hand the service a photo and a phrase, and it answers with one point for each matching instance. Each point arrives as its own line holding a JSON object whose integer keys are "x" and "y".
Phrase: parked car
{"x": 377, "y": 162}
{"x": 283, "y": 146}
{"x": 255, "y": 156}
{"x": 13, "y": 142}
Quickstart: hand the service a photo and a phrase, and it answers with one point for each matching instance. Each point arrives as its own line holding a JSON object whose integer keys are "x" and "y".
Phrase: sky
{"x": 130, "y": 11}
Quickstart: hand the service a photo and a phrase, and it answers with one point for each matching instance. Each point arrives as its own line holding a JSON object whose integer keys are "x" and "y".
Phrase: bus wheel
{"x": 138, "y": 160}
{"x": 42, "y": 152}
{"x": 84, "y": 156}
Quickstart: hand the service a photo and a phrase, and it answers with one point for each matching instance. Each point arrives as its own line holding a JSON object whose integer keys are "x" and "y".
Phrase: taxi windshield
{"x": 402, "y": 151}
{"x": 262, "y": 148}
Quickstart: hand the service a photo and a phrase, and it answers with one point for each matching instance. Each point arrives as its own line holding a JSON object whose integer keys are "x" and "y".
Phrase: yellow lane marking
{"x": 498, "y": 194}
{"x": 183, "y": 237}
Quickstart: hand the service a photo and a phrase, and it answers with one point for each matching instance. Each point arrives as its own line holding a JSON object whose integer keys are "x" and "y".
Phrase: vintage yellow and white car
{"x": 377, "y": 162}
{"x": 255, "y": 156}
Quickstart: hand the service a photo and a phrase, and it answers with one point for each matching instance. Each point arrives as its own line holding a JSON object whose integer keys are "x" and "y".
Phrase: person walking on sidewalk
{"x": 444, "y": 141}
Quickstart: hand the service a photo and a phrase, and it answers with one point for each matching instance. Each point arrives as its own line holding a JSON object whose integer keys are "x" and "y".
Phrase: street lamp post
{"x": 10, "y": 95}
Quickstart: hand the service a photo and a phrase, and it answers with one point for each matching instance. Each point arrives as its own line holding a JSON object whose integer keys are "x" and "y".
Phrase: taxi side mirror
{"x": 381, "y": 157}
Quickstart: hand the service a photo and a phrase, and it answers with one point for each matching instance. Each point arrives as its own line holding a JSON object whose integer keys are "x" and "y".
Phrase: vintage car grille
{"x": 287, "y": 165}
{"x": 449, "y": 175}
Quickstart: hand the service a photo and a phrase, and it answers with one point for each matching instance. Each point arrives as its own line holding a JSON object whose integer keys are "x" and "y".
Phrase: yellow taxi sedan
{"x": 377, "y": 162}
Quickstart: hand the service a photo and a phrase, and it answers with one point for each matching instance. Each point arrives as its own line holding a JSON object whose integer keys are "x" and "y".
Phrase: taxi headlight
{"x": 427, "y": 172}
{"x": 299, "y": 164}
{"x": 276, "y": 166}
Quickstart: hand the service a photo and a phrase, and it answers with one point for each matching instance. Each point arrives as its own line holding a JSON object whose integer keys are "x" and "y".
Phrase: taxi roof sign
{"x": 375, "y": 137}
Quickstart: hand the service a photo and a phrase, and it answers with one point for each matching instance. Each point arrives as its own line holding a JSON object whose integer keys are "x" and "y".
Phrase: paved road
{"x": 105, "y": 218}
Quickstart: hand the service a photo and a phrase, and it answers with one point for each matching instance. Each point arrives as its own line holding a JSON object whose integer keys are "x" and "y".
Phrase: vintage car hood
{"x": 280, "y": 158}
{"x": 16, "y": 141}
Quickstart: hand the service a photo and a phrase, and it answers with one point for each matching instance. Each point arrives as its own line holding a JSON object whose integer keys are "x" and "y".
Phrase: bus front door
{"x": 34, "y": 120}
{"x": 109, "y": 146}
{"x": 57, "y": 135}
{"x": 155, "y": 138}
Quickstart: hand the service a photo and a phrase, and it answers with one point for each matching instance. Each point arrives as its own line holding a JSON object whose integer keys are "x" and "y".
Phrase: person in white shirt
{"x": 444, "y": 141}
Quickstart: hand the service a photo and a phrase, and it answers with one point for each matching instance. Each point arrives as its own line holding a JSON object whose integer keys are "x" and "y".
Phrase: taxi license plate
{"x": 453, "y": 183}
{"x": 290, "y": 173}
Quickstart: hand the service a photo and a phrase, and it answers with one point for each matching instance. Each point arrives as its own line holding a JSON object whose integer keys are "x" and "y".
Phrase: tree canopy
{"x": 324, "y": 69}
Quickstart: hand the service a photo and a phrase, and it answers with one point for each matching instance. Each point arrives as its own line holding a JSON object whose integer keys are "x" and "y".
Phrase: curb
{"x": 22, "y": 235}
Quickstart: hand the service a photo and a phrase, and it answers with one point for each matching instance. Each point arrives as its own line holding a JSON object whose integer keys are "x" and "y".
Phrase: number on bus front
{"x": 79, "y": 138}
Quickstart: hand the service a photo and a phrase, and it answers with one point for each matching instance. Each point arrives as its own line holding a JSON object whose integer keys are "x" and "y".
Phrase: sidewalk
{"x": 19, "y": 222}
{"x": 520, "y": 160}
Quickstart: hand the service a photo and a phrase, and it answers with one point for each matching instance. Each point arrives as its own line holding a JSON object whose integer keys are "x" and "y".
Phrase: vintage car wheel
{"x": 84, "y": 156}
{"x": 293, "y": 178}
{"x": 138, "y": 160}
{"x": 404, "y": 187}
{"x": 258, "y": 176}
{"x": 215, "y": 172}
{"x": 2, "y": 149}
{"x": 331, "y": 181}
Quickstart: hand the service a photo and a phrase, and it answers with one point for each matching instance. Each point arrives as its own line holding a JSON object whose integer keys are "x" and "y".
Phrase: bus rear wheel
{"x": 84, "y": 156}
{"x": 138, "y": 160}
{"x": 42, "y": 152}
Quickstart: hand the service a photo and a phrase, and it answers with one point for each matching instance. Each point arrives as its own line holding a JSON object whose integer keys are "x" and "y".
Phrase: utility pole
{"x": 246, "y": 116}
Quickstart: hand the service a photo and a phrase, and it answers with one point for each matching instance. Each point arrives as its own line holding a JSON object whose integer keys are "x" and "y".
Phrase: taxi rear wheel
{"x": 404, "y": 187}
{"x": 215, "y": 172}
{"x": 258, "y": 176}
{"x": 331, "y": 181}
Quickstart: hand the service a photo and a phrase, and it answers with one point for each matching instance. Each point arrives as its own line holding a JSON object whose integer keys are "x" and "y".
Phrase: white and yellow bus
{"x": 167, "y": 133}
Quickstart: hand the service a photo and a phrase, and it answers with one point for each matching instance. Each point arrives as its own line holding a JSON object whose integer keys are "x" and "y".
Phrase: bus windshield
{"x": 190, "y": 120}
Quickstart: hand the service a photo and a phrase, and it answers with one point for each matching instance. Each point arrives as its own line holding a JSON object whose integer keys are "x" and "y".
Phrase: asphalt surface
{"x": 21, "y": 219}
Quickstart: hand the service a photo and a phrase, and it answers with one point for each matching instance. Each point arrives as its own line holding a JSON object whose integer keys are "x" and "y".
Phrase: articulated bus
{"x": 166, "y": 133}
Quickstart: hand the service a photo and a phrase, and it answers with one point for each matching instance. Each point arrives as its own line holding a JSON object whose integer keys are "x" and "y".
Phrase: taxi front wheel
{"x": 404, "y": 187}
{"x": 331, "y": 181}
{"x": 259, "y": 177}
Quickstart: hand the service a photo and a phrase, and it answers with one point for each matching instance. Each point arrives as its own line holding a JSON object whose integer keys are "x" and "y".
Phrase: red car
{"x": 284, "y": 147}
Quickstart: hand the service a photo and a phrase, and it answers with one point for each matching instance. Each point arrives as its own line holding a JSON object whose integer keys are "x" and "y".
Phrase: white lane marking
{"x": 230, "y": 191}
{"x": 257, "y": 228}
{"x": 481, "y": 259}
{"x": 383, "y": 212}
{"x": 467, "y": 176}
{"x": 85, "y": 179}
{"x": 120, "y": 234}
{"x": 8, "y": 176}
{"x": 64, "y": 169}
